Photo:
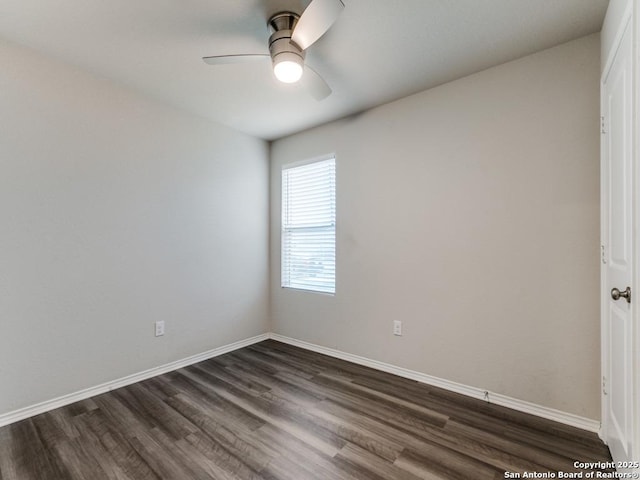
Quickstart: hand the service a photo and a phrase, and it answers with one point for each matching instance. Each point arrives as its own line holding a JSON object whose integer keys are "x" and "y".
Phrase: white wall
{"x": 115, "y": 212}
{"x": 470, "y": 212}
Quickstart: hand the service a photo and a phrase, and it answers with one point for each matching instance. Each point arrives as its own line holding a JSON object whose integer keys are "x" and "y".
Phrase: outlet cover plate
{"x": 160, "y": 328}
{"x": 397, "y": 328}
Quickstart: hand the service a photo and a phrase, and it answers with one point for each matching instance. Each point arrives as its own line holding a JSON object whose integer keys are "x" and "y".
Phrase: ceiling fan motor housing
{"x": 281, "y": 47}
{"x": 291, "y": 35}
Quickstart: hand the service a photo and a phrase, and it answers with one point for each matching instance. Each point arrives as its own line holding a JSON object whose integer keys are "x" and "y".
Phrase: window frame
{"x": 283, "y": 228}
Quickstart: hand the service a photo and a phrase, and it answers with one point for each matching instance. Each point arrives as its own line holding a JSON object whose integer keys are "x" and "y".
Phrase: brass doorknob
{"x": 617, "y": 294}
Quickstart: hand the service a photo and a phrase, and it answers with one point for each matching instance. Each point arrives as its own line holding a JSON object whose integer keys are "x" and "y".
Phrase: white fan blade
{"x": 316, "y": 85}
{"x": 315, "y": 21}
{"x": 229, "y": 59}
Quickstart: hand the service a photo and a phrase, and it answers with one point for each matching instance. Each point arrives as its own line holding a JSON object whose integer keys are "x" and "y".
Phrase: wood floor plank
{"x": 201, "y": 390}
{"x": 516, "y": 425}
{"x": 392, "y": 401}
{"x": 79, "y": 460}
{"x": 301, "y": 368}
{"x": 374, "y": 463}
{"x": 315, "y": 463}
{"x": 110, "y": 442}
{"x": 419, "y": 440}
{"x": 251, "y": 384}
{"x": 277, "y": 413}
{"x": 447, "y": 463}
{"x": 221, "y": 456}
{"x": 29, "y": 457}
{"x": 109, "y": 463}
{"x": 272, "y": 411}
{"x": 154, "y": 411}
{"x": 233, "y": 437}
{"x": 359, "y": 434}
{"x": 212, "y": 466}
{"x": 283, "y": 388}
{"x": 164, "y": 461}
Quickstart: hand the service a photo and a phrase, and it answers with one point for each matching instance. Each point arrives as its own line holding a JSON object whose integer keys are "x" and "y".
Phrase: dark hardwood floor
{"x": 273, "y": 411}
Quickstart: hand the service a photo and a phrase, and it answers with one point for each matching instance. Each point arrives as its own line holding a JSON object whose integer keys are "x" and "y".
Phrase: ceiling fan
{"x": 291, "y": 35}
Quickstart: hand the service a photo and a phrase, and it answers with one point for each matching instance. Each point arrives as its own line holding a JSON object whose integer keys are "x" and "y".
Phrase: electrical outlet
{"x": 160, "y": 328}
{"x": 397, "y": 328}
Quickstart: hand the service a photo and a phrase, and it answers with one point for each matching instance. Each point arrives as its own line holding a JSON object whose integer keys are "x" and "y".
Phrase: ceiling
{"x": 377, "y": 51}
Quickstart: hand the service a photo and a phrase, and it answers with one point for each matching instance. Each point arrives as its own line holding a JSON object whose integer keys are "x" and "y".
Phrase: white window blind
{"x": 309, "y": 226}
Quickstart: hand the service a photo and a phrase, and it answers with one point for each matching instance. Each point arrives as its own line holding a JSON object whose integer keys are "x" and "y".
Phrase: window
{"x": 309, "y": 226}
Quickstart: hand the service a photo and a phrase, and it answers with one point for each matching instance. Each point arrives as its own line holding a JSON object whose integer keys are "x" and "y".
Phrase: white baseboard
{"x": 23, "y": 413}
{"x": 495, "y": 398}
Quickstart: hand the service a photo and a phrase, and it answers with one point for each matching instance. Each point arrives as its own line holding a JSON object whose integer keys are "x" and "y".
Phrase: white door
{"x": 618, "y": 251}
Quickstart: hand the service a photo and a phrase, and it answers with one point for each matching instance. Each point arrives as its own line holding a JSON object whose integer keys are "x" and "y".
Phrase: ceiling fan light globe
{"x": 288, "y": 71}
